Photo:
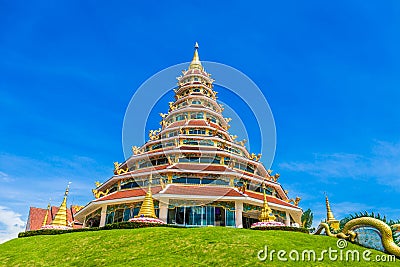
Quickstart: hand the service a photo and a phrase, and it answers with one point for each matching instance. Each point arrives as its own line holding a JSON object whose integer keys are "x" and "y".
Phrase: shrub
{"x": 282, "y": 228}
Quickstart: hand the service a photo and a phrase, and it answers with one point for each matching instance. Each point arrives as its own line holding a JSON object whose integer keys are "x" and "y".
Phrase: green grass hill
{"x": 210, "y": 246}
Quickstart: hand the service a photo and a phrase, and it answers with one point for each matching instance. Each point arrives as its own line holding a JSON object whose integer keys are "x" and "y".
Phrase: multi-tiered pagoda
{"x": 197, "y": 173}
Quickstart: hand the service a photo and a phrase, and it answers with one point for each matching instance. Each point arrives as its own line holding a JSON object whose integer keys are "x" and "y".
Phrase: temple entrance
{"x": 248, "y": 221}
{"x": 201, "y": 216}
{"x": 93, "y": 222}
{"x": 219, "y": 216}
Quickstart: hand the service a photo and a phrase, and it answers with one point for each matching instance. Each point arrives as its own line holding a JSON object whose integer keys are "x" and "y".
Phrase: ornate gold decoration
{"x": 269, "y": 171}
{"x": 255, "y": 157}
{"x": 153, "y": 134}
{"x": 275, "y": 177}
{"x": 294, "y": 201}
{"x": 147, "y": 208}
{"x": 234, "y": 137}
{"x": 97, "y": 183}
{"x": 286, "y": 191}
{"x": 228, "y": 120}
{"x": 163, "y": 115}
{"x": 330, "y": 219}
{"x": 243, "y": 188}
{"x": 118, "y": 170}
{"x": 348, "y": 233}
{"x": 46, "y": 216}
{"x": 98, "y": 193}
{"x": 61, "y": 217}
{"x": 266, "y": 212}
{"x": 196, "y": 64}
{"x": 136, "y": 150}
{"x": 77, "y": 208}
{"x": 171, "y": 105}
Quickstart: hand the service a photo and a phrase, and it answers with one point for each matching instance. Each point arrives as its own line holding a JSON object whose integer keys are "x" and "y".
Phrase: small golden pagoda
{"x": 266, "y": 212}
{"x": 147, "y": 208}
{"x": 46, "y": 216}
{"x": 61, "y": 218}
{"x": 330, "y": 219}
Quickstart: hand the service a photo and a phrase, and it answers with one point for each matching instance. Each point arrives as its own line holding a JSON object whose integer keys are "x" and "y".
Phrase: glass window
{"x": 135, "y": 212}
{"x": 118, "y": 215}
{"x": 193, "y": 180}
{"x": 127, "y": 214}
{"x": 217, "y": 160}
{"x": 171, "y": 216}
{"x": 110, "y": 218}
{"x": 230, "y": 218}
{"x": 197, "y": 115}
{"x": 210, "y": 214}
{"x": 180, "y": 215}
{"x": 206, "y": 143}
{"x": 207, "y": 181}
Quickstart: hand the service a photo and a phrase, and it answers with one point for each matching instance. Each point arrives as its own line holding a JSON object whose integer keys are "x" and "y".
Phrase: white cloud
{"x": 382, "y": 164}
{"x": 10, "y": 224}
{"x": 4, "y": 177}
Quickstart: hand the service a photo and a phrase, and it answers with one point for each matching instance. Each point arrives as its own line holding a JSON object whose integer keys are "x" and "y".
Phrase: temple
{"x": 192, "y": 169}
{"x": 60, "y": 217}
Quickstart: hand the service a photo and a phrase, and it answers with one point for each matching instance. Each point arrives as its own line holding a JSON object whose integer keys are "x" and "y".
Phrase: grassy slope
{"x": 165, "y": 247}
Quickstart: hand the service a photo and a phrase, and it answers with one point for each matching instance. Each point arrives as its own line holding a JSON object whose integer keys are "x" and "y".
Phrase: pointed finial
{"x": 329, "y": 213}
{"x": 61, "y": 217}
{"x": 196, "y": 64}
{"x": 47, "y": 215}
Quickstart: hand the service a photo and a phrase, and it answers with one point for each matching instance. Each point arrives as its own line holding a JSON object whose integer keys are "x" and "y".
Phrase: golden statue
{"x": 153, "y": 134}
{"x": 136, "y": 150}
{"x": 266, "y": 212}
{"x": 243, "y": 188}
{"x": 255, "y": 157}
{"x": 294, "y": 201}
{"x": 97, "y": 183}
{"x": 242, "y": 143}
{"x": 163, "y": 115}
{"x": 98, "y": 193}
{"x": 118, "y": 170}
{"x": 275, "y": 177}
{"x": 171, "y": 105}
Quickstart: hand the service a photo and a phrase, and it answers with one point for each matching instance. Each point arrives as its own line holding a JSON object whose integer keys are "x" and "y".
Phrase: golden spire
{"x": 329, "y": 213}
{"x": 266, "y": 212}
{"x": 147, "y": 208}
{"x": 47, "y": 215}
{"x": 61, "y": 217}
{"x": 196, "y": 64}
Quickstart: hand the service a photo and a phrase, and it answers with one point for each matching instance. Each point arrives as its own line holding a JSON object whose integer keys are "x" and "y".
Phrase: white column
{"x": 287, "y": 221}
{"x": 239, "y": 214}
{"x": 103, "y": 216}
{"x": 163, "y": 206}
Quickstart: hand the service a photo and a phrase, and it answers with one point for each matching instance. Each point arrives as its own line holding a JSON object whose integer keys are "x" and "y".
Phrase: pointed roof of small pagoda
{"x": 61, "y": 218}
{"x": 329, "y": 213}
{"x": 266, "y": 212}
{"x": 196, "y": 64}
{"x": 147, "y": 208}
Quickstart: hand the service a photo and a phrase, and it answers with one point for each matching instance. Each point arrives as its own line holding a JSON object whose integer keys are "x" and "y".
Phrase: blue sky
{"x": 330, "y": 73}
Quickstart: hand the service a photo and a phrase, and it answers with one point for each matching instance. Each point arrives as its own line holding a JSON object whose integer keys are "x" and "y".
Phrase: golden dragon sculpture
{"x": 118, "y": 170}
{"x": 294, "y": 201}
{"x": 348, "y": 233}
{"x": 98, "y": 193}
